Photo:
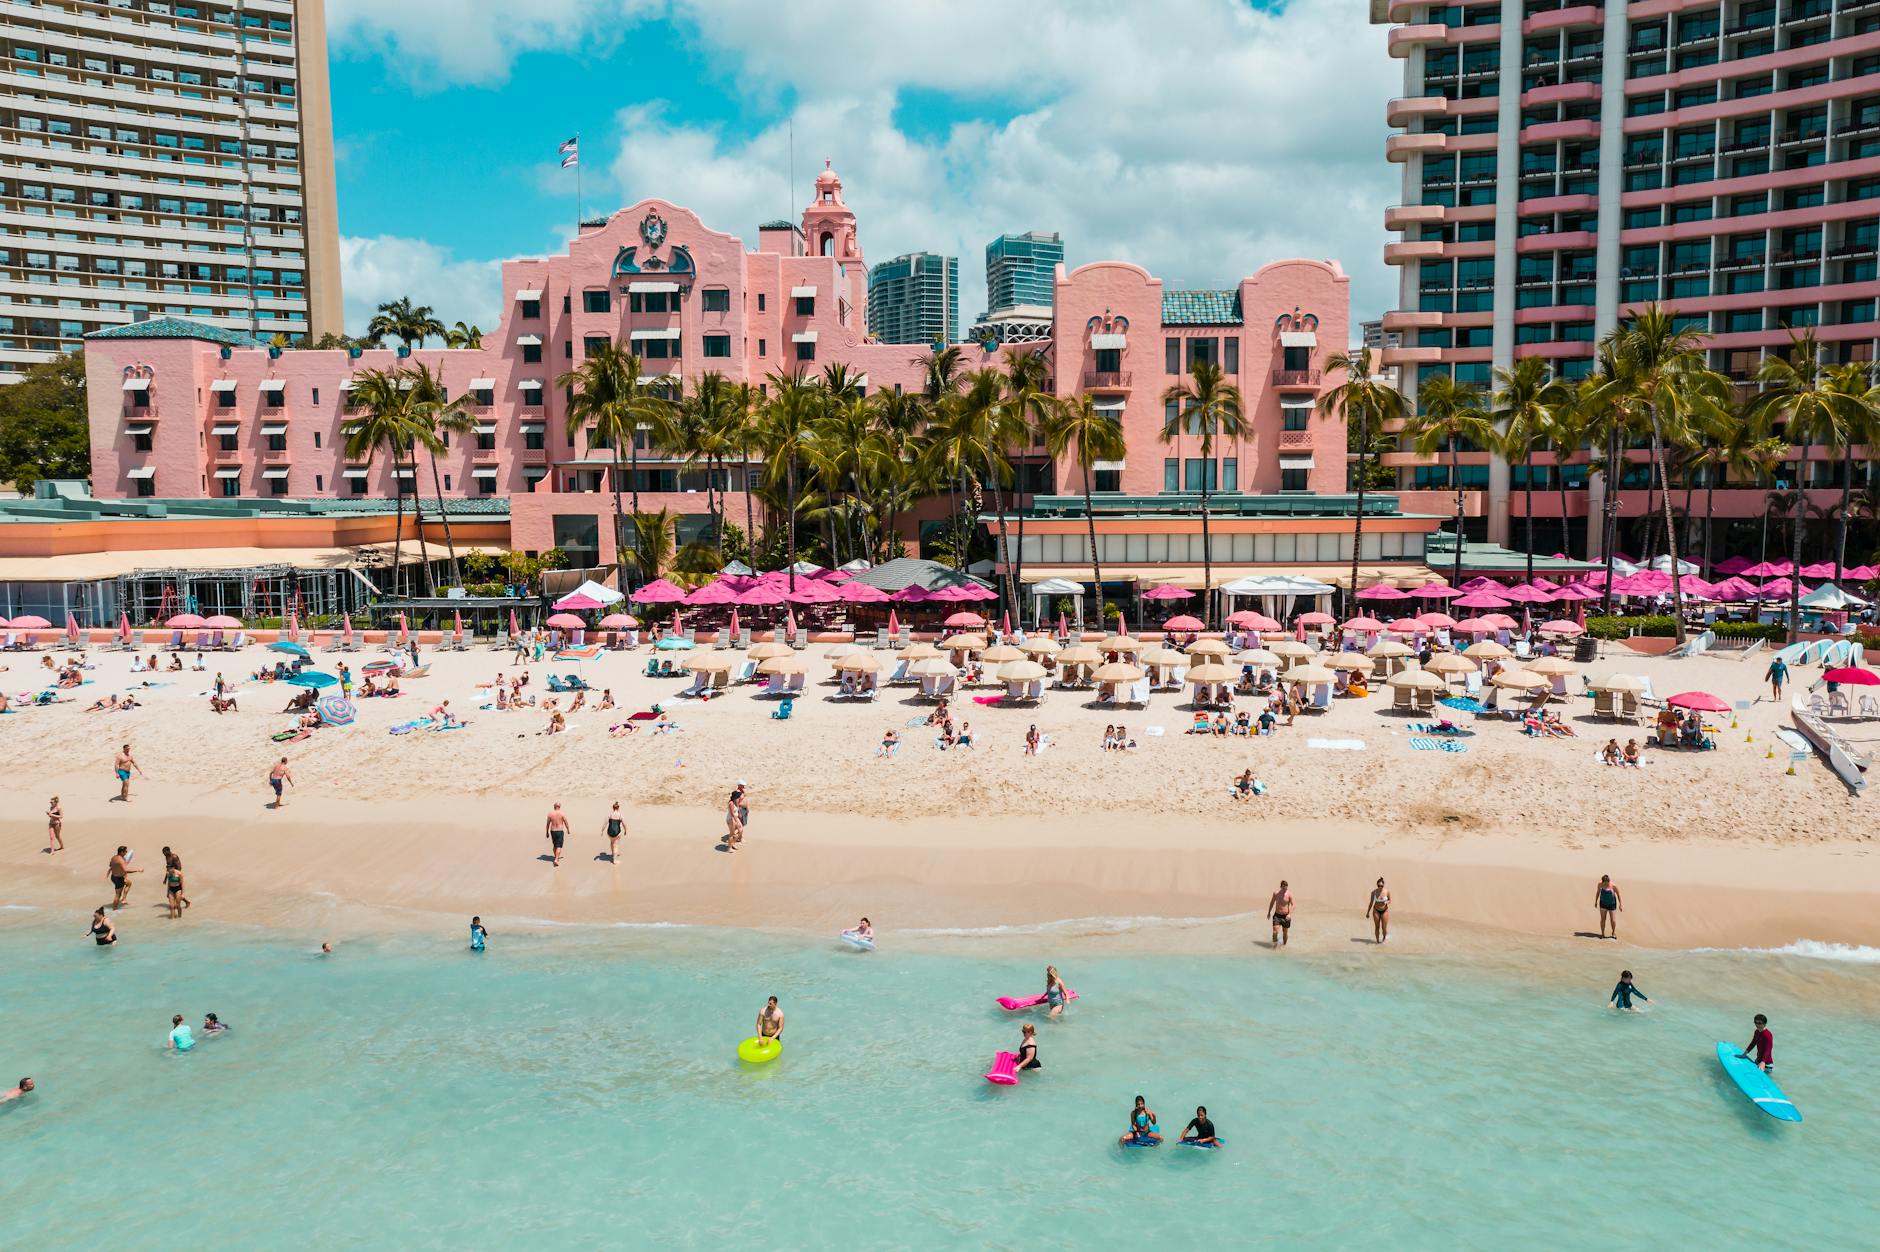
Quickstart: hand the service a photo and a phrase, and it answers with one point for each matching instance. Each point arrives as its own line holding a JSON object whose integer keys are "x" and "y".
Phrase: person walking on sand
{"x": 124, "y": 765}
{"x": 278, "y": 777}
{"x": 556, "y": 832}
{"x": 171, "y": 861}
{"x": 120, "y": 875}
{"x": 55, "y": 827}
{"x": 1776, "y": 675}
{"x": 735, "y": 815}
{"x": 1378, "y": 910}
{"x": 173, "y": 884}
{"x": 1279, "y": 913}
{"x": 616, "y": 825}
{"x": 1606, "y": 900}
{"x": 1031, "y": 740}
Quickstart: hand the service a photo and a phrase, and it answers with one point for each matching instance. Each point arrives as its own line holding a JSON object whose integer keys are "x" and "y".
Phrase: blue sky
{"x": 1200, "y": 138}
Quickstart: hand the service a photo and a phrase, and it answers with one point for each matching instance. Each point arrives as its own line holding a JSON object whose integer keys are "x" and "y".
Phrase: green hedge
{"x": 1662, "y": 627}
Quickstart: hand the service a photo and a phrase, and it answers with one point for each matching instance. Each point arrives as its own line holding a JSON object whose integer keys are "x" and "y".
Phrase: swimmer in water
{"x": 770, "y": 1021}
{"x": 180, "y": 1038}
{"x": 478, "y": 935}
{"x": 1625, "y": 993}
{"x": 1055, "y": 992}
{"x": 1028, "y": 1049}
{"x": 864, "y": 930}
{"x": 103, "y": 931}
{"x": 326, "y": 949}
{"x": 1142, "y": 1125}
{"x": 1200, "y": 1131}
{"x": 26, "y": 1085}
{"x": 213, "y": 1025}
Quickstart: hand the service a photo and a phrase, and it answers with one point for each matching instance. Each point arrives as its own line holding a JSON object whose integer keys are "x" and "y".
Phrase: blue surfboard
{"x": 1758, "y": 1086}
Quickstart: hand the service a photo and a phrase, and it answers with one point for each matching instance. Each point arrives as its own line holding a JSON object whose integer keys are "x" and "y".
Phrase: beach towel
{"x": 1424, "y": 744}
{"x": 1339, "y": 745}
{"x": 1155, "y": 731}
{"x": 405, "y": 728}
{"x": 987, "y": 699}
{"x": 286, "y": 735}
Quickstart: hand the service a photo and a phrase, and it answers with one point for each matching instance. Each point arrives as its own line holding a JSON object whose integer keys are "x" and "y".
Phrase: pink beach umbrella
{"x": 1702, "y": 701}
{"x": 1436, "y": 621}
{"x": 789, "y": 623}
{"x": 625, "y": 621}
{"x": 566, "y": 621}
{"x": 1005, "y": 624}
{"x": 404, "y": 629}
{"x": 1851, "y": 676}
{"x": 71, "y": 626}
{"x": 659, "y": 591}
{"x": 1182, "y": 622}
{"x": 456, "y": 618}
{"x": 1768, "y": 569}
{"x": 30, "y": 622}
{"x": 675, "y": 621}
{"x": 1500, "y": 621}
{"x": 1064, "y": 627}
{"x": 861, "y": 593}
{"x": 1525, "y": 594}
{"x": 1731, "y": 566}
{"x": 1479, "y": 583}
{"x": 1562, "y": 627}
{"x": 912, "y": 595}
{"x": 733, "y": 628}
{"x": 514, "y": 629}
{"x": 719, "y": 592}
{"x": 1435, "y": 591}
{"x": 1168, "y": 592}
{"x": 1863, "y": 573}
{"x": 1365, "y": 624}
{"x": 222, "y": 621}
{"x": 813, "y": 591}
{"x": 761, "y": 597}
{"x": 965, "y": 617}
{"x": 346, "y": 631}
{"x": 124, "y": 627}
{"x": 1543, "y": 584}
{"x": 1574, "y": 592}
{"x": 1250, "y": 620}
{"x": 1383, "y": 591}
{"x": 182, "y": 621}
{"x": 293, "y": 626}
{"x": 1315, "y": 618}
{"x": 894, "y": 624}
{"x": 578, "y": 603}
{"x": 1480, "y": 600}
{"x": 1408, "y": 626}
{"x": 1473, "y": 626}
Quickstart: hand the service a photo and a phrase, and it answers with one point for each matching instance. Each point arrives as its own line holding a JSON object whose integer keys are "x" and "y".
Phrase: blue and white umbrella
{"x": 674, "y": 643}
{"x": 292, "y": 649}
{"x": 311, "y": 678}
{"x": 1465, "y": 704}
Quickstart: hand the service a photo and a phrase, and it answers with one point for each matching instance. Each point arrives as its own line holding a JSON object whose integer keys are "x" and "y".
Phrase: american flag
{"x": 571, "y": 153}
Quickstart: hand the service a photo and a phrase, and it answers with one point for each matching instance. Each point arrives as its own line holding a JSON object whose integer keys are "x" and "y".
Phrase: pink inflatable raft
{"x": 1029, "y": 1002}
{"x": 1004, "y": 1070}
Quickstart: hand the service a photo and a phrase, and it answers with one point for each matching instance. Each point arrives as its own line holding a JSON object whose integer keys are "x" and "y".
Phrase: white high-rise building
{"x": 164, "y": 158}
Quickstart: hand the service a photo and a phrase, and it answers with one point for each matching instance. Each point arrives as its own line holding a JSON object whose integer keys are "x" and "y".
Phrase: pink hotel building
{"x": 182, "y": 410}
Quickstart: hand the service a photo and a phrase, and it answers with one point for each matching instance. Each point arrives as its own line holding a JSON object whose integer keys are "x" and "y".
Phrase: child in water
{"x": 478, "y": 935}
{"x": 1625, "y": 993}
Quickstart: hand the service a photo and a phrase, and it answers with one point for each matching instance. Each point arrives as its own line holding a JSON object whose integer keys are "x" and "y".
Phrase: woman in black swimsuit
{"x": 173, "y": 879}
{"x": 614, "y": 826}
{"x": 102, "y": 931}
{"x": 1028, "y": 1049}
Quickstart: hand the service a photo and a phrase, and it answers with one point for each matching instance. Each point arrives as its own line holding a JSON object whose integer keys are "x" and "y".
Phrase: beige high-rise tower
{"x": 164, "y": 158}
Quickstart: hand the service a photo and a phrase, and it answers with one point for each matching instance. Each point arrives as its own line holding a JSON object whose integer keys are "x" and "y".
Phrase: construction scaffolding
{"x": 251, "y": 593}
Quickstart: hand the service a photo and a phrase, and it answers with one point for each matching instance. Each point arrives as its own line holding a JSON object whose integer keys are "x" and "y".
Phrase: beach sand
{"x": 1721, "y": 849}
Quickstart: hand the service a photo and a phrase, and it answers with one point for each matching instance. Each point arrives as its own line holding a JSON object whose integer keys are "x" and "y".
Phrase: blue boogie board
{"x": 1758, "y": 1086}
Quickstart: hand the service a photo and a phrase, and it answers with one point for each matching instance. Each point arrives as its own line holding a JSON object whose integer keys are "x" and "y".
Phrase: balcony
{"x": 1106, "y": 380}
{"x": 225, "y": 456}
{"x": 1557, "y": 93}
{"x": 1402, "y": 109}
{"x": 1403, "y": 147}
{"x": 1403, "y": 216}
{"x": 1413, "y": 250}
{"x": 1410, "y": 356}
{"x": 1404, "y": 38}
{"x": 1555, "y": 241}
{"x": 1295, "y": 441}
{"x": 1411, "y": 319}
{"x": 1292, "y": 380}
{"x": 534, "y": 456}
{"x": 1574, "y": 128}
{"x": 1575, "y": 15}
{"x": 274, "y": 456}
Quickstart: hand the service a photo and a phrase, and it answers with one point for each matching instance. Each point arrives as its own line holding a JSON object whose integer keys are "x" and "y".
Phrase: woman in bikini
{"x": 1379, "y": 912}
{"x": 55, "y": 827}
{"x": 734, "y": 819}
{"x": 1142, "y": 1124}
{"x": 173, "y": 886}
{"x": 173, "y": 864}
{"x": 103, "y": 933}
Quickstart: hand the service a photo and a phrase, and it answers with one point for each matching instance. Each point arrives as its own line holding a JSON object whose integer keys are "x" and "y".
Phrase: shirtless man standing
{"x": 557, "y": 831}
{"x": 124, "y": 764}
{"x": 1279, "y": 912}
{"x": 119, "y": 874}
{"x": 278, "y": 778}
{"x": 770, "y": 1021}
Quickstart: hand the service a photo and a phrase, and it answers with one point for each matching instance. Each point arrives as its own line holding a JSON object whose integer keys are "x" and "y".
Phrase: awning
{"x": 803, "y": 336}
{"x": 1111, "y": 466}
{"x": 1109, "y": 405}
{"x": 225, "y": 428}
{"x": 1295, "y": 462}
{"x": 1296, "y": 402}
{"x": 658, "y": 332}
{"x": 483, "y": 471}
{"x": 799, "y": 293}
{"x": 532, "y": 428}
{"x": 482, "y": 384}
{"x": 404, "y": 473}
{"x": 530, "y": 384}
{"x": 1298, "y": 339}
{"x": 650, "y": 286}
{"x": 348, "y": 384}
{"x": 141, "y": 429}
{"x": 274, "y": 384}
{"x": 274, "y": 473}
{"x": 528, "y": 341}
{"x": 143, "y": 471}
{"x": 529, "y": 293}
{"x": 222, "y": 384}
{"x": 357, "y": 471}
{"x": 137, "y": 384}
{"x": 486, "y": 428}
{"x": 861, "y": 380}
{"x": 1104, "y": 342}
{"x": 274, "y": 428}
{"x": 228, "y": 473}
{"x": 1409, "y": 574}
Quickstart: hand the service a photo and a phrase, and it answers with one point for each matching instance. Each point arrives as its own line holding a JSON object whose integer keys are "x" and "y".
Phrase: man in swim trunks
{"x": 26, "y": 1085}
{"x": 278, "y": 777}
{"x": 1606, "y": 900}
{"x": 180, "y": 1038}
{"x": 1279, "y": 912}
{"x": 770, "y": 1021}
{"x": 1200, "y": 1131}
{"x": 557, "y": 831}
{"x": 1625, "y": 992}
{"x": 1762, "y": 1046}
{"x": 478, "y": 936}
{"x": 124, "y": 764}
{"x": 120, "y": 873}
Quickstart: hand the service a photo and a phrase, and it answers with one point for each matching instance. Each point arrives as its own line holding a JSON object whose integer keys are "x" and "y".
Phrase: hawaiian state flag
{"x": 571, "y": 153}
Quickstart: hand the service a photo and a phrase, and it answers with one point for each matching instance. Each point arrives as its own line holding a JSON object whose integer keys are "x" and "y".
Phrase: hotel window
{"x": 1171, "y": 473}
{"x": 649, "y": 302}
{"x": 1230, "y": 473}
{"x": 486, "y": 484}
{"x": 530, "y": 309}
{"x": 484, "y": 396}
{"x": 717, "y": 345}
{"x": 319, "y": 482}
{"x": 1294, "y": 418}
{"x": 1198, "y": 475}
{"x": 806, "y": 351}
{"x": 597, "y": 301}
{"x": 226, "y": 442}
{"x": 1109, "y": 360}
{"x": 486, "y": 439}
{"x": 1172, "y": 356}
{"x": 660, "y": 349}
{"x": 147, "y": 487}
{"x": 531, "y": 353}
{"x": 1203, "y": 348}
{"x": 760, "y": 347}
{"x": 230, "y": 486}
{"x": 276, "y": 486}
{"x": 591, "y": 345}
{"x": 277, "y": 442}
{"x": 760, "y": 302}
{"x": 1231, "y": 344}
{"x": 806, "y": 306}
{"x": 316, "y": 401}
{"x": 715, "y": 300}
{"x": 1293, "y": 479}
{"x": 140, "y": 441}
{"x": 225, "y": 397}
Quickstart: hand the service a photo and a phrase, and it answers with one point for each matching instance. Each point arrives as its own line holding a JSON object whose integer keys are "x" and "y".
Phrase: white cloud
{"x": 378, "y": 270}
{"x": 436, "y": 43}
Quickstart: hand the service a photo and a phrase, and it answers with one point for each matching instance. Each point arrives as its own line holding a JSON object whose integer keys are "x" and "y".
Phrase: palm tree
{"x": 1565, "y": 432}
{"x": 1073, "y": 426}
{"x": 788, "y": 427}
{"x": 967, "y": 448}
{"x": 1799, "y": 395}
{"x": 1028, "y": 394}
{"x": 388, "y": 421}
{"x": 715, "y": 431}
{"x": 463, "y": 335}
{"x": 1450, "y": 415}
{"x": 1605, "y": 405}
{"x": 1366, "y": 404}
{"x": 942, "y": 369}
{"x": 612, "y": 399}
{"x": 1528, "y": 399}
{"x": 652, "y": 542}
{"x": 400, "y": 319}
{"x": 898, "y": 420}
{"x": 444, "y": 417}
{"x": 741, "y": 432}
{"x": 1861, "y": 382}
{"x": 1204, "y": 405}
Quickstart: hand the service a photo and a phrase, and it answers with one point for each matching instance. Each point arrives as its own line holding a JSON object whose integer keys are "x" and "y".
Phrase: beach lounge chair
{"x": 881, "y": 637}
{"x": 1139, "y": 694}
{"x": 1646, "y": 696}
{"x": 1425, "y": 699}
{"x": 239, "y": 642}
{"x": 782, "y": 712}
{"x": 778, "y": 685}
{"x": 1402, "y": 699}
{"x": 1472, "y": 684}
{"x": 556, "y": 684}
{"x": 1605, "y": 704}
{"x": 746, "y": 672}
{"x": 575, "y": 682}
{"x": 652, "y": 668}
{"x": 699, "y": 682}
{"x": 1628, "y": 705}
{"x": 797, "y": 681}
{"x": 900, "y": 672}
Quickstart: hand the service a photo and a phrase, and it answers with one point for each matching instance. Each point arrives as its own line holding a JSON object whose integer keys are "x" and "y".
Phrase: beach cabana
{"x": 787, "y": 675}
{"x": 1556, "y": 669}
{"x": 1317, "y": 680}
{"x": 1055, "y": 589}
{"x": 1121, "y": 682}
{"x": 937, "y": 675}
{"x": 1121, "y": 643}
{"x": 1415, "y": 690}
{"x": 1390, "y": 656}
{"x": 1292, "y": 650}
{"x": 1448, "y": 663}
{"x": 1075, "y": 664}
{"x": 1165, "y": 666}
{"x": 1024, "y": 680}
{"x": 1039, "y": 645}
{"x": 860, "y": 672}
{"x": 1212, "y": 684}
{"x": 1486, "y": 650}
{"x": 769, "y": 649}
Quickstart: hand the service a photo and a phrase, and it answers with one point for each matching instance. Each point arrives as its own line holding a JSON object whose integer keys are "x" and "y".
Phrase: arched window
{"x": 828, "y": 244}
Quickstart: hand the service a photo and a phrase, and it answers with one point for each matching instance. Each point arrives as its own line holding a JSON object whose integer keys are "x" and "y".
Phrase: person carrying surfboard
{"x": 1761, "y": 1047}
{"x": 1624, "y": 993}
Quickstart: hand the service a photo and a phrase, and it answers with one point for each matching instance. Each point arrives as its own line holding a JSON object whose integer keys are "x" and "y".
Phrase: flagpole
{"x": 577, "y": 184}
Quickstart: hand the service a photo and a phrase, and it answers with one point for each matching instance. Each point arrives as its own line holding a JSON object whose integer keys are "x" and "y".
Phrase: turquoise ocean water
{"x": 578, "y": 1088}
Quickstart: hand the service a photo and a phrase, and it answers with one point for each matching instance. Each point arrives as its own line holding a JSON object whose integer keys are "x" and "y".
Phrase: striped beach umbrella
{"x": 374, "y": 668}
{"x": 334, "y": 710}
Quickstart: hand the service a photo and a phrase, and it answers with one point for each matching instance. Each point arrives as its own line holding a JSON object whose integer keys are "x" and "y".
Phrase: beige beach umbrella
{"x": 1390, "y": 647}
{"x": 1257, "y": 656}
{"x": 1350, "y": 661}
{"x": 1310, "y": 674}
{"x": 918, "y": 652}
{"x": 1617, "y": 682}
{"x": 964, "y": 643}
{"x": 1290, "y": 648}
{"x": 1553, "y": 665}
{"x": 1160, "y": 656}
{"x": 1450, "y": 663}
{"x": 859, "y": 663}
{"x": 1416, "y": 680}
{"x": 1000, "y": 653}
{"x": 708, "y": 662}
{"x": 1519, "y": 679}
{"x": 1038, "y": 645}
{"x": 841, "y": 650}
{"x": 932, "y": 667}
{"x": 1079, "y": 654}
{"x": 1118, "y": 672}
{"x": 1487, "y": 650}
{"x": 1211, "y": 673}
{"x": 1020, "y": 671}
{"x": 1209, "y": 647}
{"x": 1120, "y": 643}
{"x": 785, "y": 665}
{"x": 764, "y": 651}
